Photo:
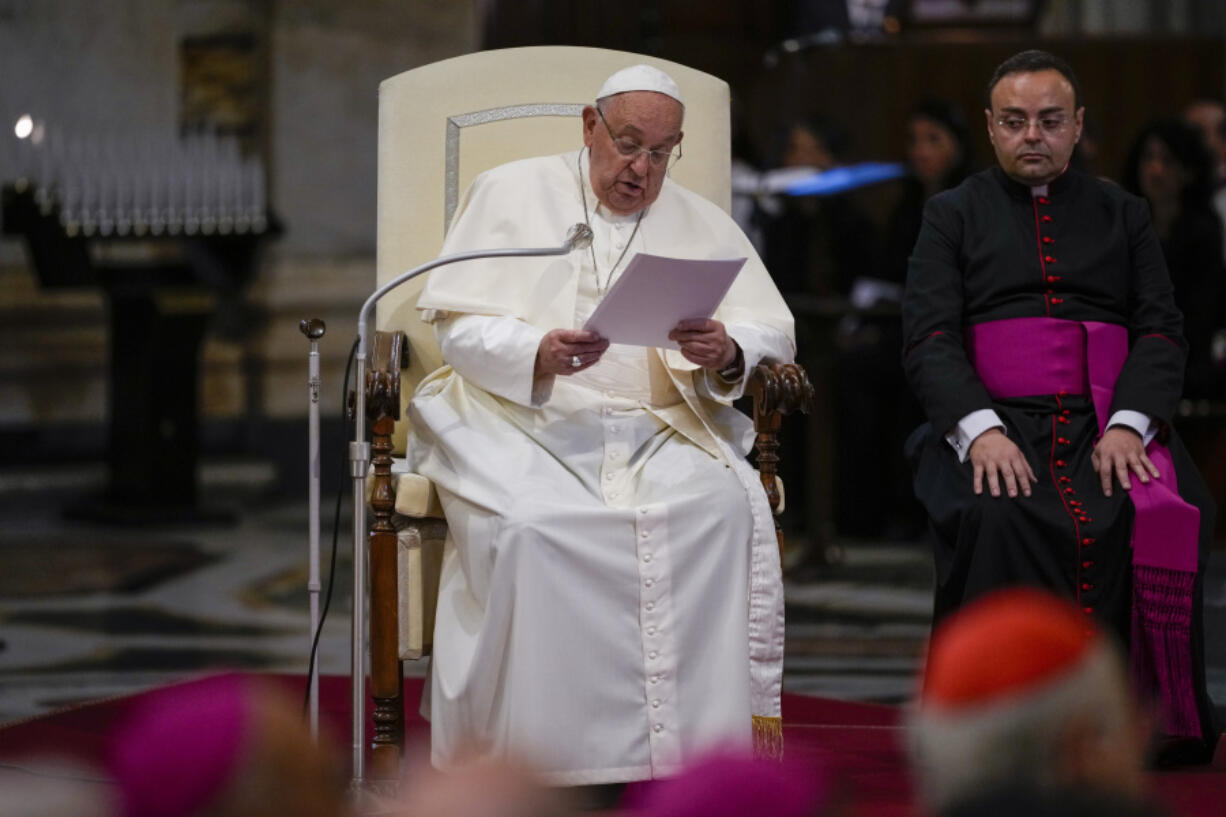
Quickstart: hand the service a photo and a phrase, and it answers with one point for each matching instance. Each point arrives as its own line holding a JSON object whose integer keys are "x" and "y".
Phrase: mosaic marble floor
{"x": 89, "y": 612}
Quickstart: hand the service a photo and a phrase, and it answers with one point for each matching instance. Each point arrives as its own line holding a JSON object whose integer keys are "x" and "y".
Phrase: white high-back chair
{"x": 439, "y": 126}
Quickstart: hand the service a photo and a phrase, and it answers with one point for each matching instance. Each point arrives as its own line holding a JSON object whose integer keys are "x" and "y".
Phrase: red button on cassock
{"x": 1048, "y": 240}
{"x": 1062, "y": 440}
{"x": 1087, "y": 564}
{"x": 1046, "y": 219}
{"x": 1087, "y": 611}
{"x": 1049, "y": 259}
{"x": 1087, "y": 586}
{"x": 1044, "y": 200}
{"x": 1063, "y": 420}
{"x": 1051, "y": 279}
{"x": 1087, "y": 541}
{"x": 1057, "y": 300}
{"x": 1061, "y": 463}
{"x": 1065, "y": 480}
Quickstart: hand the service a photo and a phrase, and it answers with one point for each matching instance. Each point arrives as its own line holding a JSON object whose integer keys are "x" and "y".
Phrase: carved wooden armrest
{"x": 777, "y": 389}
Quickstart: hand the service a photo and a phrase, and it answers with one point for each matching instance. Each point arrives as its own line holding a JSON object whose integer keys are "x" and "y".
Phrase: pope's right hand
{"x": 561, "y": 349}
{"x": 993, "y": 454}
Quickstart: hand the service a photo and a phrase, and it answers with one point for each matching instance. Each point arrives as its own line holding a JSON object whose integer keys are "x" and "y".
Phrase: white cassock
{"x": 611, "y": 599}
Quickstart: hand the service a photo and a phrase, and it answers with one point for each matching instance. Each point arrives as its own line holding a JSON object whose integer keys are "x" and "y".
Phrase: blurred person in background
{"x": 812, "y": 246}
{"x": 815, "y": 245}
{"x": 1024, "y": 700}
{"x": 1171, "y": 168}
{"x": 732, "y": 783}
{"x": 482, "y": 789}
{"x": 875, "y": 411}
{"x": 229, "y": 746}
{"x": 1208, "y": 116}
{"x": 940, "y": 154}
{"x": 1089, "y": 147}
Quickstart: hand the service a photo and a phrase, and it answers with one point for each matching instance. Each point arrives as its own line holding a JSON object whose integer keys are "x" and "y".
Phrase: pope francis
{"x": 611, "y": 599}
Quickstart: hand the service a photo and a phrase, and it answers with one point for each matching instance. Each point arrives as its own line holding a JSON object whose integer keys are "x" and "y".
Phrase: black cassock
{"x": 1084, "y": 251}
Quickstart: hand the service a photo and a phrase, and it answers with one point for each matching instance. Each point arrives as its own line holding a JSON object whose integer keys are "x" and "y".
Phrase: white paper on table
{"x": 655, "y": 293}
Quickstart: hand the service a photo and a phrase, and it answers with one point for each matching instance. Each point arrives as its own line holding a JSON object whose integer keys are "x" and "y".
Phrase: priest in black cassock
{"x": 1042, "y": 339}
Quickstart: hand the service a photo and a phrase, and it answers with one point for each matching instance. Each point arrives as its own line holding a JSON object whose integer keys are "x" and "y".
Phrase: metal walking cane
{"x": 314, "y": 329}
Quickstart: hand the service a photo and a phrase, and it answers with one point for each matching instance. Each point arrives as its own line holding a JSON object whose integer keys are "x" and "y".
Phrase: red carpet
{"x": 857, "y": 743}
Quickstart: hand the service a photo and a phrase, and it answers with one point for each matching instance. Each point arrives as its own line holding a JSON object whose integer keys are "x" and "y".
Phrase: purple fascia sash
{"x": 1025, "y": 357}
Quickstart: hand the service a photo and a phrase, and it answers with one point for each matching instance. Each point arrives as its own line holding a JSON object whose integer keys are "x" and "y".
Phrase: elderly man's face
{"x": 628, "y": 184}
{"x": 1033, "y": 125}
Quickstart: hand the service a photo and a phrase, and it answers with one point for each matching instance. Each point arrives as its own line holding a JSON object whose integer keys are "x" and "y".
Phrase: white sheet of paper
{"x": 655, "y": 293}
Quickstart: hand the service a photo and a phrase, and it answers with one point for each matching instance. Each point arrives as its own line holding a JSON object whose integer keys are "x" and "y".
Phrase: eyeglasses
{"x": 1049, "y": 124}
{"x": 629, "y": 149}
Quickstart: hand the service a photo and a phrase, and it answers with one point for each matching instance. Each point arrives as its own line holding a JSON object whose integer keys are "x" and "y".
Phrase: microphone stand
{"x": 314, "y": 329}
{"x": 578, "y": 236}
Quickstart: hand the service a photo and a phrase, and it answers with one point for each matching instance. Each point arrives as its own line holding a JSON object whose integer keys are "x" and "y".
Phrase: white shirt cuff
{"x": 977, "y": 422}
{"x": 1137, "y": 421}
{"x": 969, "y": 428}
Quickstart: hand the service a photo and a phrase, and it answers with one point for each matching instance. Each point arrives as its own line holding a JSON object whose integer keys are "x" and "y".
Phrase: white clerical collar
{"x": 1041, "y": 190}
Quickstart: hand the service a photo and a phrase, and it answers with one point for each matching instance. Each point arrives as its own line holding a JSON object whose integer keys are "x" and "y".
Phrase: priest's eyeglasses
{"x": 629, "y": 149}
{"x": 1049, "y": 124}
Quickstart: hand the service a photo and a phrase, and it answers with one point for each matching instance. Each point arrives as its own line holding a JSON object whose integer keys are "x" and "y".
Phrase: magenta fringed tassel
{"x": 1162, "y": 646}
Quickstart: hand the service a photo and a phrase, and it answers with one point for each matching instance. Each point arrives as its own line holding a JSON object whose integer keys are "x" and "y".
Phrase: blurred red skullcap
{"x": 1001, "y": 645}
{"x": 729, "y": 783}
{"x": 178, "y": 749}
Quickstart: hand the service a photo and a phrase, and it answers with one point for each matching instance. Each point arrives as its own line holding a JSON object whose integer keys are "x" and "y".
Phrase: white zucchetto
{"x": 640, "y": 78}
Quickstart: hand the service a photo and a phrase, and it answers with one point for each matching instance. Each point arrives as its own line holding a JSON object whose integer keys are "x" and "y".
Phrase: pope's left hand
{"x": 1119, "y": 451}
{"x": 705, "y": 342}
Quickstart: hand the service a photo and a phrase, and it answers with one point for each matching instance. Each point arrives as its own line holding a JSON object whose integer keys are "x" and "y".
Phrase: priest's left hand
{"x": 1119, "y": 451}
{"x": 705, "y": 342}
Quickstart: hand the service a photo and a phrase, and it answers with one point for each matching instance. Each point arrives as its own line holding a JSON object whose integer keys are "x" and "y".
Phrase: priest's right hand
{"x": 993, "y": 454}
{"x": 561, "y": 349}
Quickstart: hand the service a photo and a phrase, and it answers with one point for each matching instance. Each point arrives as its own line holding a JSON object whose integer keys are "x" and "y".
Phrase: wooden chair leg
{"x": 386, "y": 668}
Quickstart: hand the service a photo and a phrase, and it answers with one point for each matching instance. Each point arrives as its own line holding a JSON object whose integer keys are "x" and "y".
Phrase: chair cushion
{"x": 419, "y": 563}
{"x": 416, "y": 497}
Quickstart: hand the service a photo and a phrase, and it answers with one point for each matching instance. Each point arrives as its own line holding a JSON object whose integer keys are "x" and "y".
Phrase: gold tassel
{"x": 768, "y": 737}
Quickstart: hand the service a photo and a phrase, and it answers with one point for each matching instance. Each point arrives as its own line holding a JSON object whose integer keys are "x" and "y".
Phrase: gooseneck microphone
{"x": 579, "y": 236}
